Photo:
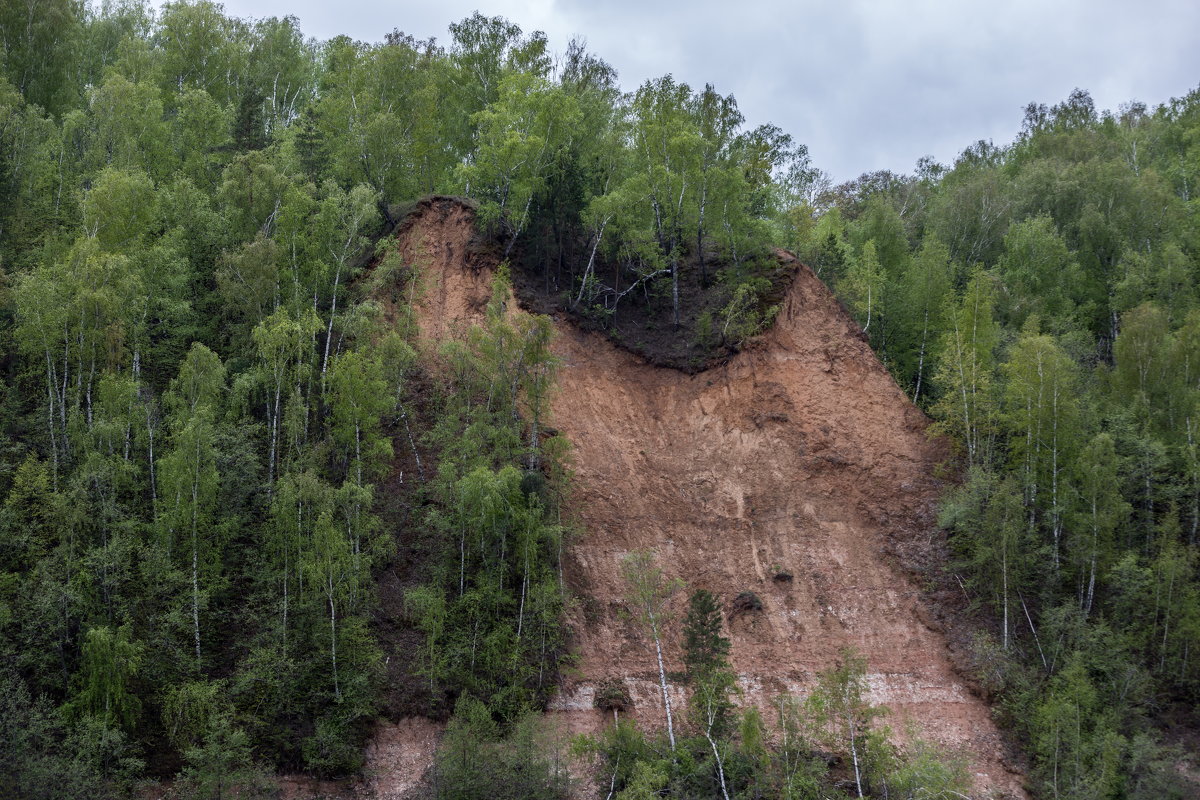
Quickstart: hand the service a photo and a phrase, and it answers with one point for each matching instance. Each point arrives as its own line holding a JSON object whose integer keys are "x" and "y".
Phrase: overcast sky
{"x": 865, "y": 84}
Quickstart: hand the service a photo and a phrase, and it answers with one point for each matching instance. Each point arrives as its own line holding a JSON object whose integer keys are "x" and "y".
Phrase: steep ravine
{"x": 800, "y": 455}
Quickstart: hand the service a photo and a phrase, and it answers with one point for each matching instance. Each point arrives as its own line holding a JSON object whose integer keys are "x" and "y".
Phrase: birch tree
{"x": 965, "y": 370}
{"x": 649, "y": 594}
{"x": 841, "y": 699}
{"x": 1042, "y": 410}
{"x": 333, "y": 570}
{"x": 299, "y": 500}
{"x": 1102, "y": 510}
{"x": 526, "y": 129}
{"x": 283, "y": 345}
{"x": 342, "y": 225}
{"x": 358, "y": 398}
{"x": 111, "y": 661}
{"x": 189, "y": 475}
{"x": 863, "y": 285}
{"x": 985, "y": 515}
{"x": 927, "y": 290}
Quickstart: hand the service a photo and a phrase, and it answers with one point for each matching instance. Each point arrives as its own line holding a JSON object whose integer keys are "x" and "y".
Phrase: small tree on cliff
{"x": 840, "y": 703}
{"x": 705, "y": 648}
{"x": 649, "y": 595}
{"x": 706, "y": 654}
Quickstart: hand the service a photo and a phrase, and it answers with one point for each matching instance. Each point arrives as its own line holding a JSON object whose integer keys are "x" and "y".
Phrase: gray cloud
{"x": 866, "y": 84}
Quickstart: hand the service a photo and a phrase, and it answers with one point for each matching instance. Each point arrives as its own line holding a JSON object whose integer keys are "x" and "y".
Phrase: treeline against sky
{"x": 205, "y": 388}
{"x": 1040, "y": 301}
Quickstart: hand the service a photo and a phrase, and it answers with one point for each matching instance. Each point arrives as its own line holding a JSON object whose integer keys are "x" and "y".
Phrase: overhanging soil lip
{"x": 485, "y": 253}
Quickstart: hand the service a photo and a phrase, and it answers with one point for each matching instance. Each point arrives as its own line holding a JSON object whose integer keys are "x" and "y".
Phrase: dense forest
{"x": 1039, "y": 301}
{"x": 211, "y": 375}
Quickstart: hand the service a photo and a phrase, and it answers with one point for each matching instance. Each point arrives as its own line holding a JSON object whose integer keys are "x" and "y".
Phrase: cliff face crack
{"x": 800, "y": 455}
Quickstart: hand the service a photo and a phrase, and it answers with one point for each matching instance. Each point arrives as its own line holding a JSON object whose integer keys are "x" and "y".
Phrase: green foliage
{"x": 840, "y": 706}
{"x": 925, "y": 291}
{"x": 927, "y": 772}
{"x": 358, "y": 399}
{"x": 674, "y": 189}
{"x": 986, "y": 517}
{"x": 745, "y": 315}
{"x": 965, "y": 370}
{"x": 174, "y": 292}
{"x": 110, "y": 662}
{"x": 38, "y": 41}
{"x": 476, "y": 761}
{"x": 1042, "y": 277}
{"x": 1048, "y": 326}
{"x": 518, "y": 136}
{"x": 332, "y": 749}
{"x": 37, "y": 757}
{"x": 648, "y": 781}
{"x": 189, "y": 708}
{"x": 493, "y": 629}
{"x": 491, "y": 614}
{"x": 789, "y": 759}
{"x": 222, "y": 761}
{"x": 119, "y": 208}
{"x": 863, "y": 285}
{"x": 705, "y": 648}
{"x": 199, "y": 406}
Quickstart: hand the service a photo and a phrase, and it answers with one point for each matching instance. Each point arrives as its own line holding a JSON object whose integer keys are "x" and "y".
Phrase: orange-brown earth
{"x": 799, "y": 456}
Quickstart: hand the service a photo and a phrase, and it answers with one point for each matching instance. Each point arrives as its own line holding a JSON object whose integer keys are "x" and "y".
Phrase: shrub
{"x": 746, "y": 602}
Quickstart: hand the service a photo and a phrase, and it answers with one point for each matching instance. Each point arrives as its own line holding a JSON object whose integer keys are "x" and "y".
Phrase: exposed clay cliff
{"x": 792, "y": 471}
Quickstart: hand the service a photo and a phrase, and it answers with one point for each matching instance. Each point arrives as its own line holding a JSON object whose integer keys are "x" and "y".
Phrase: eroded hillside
{"x": 792, "y": 471}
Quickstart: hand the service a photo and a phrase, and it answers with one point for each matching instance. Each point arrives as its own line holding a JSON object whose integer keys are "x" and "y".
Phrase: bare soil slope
{"x": 799, "y": 456}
